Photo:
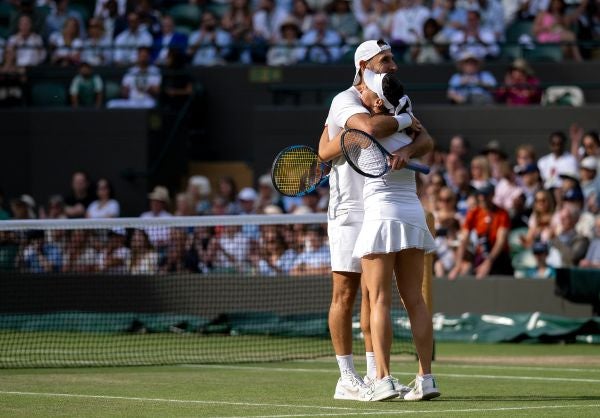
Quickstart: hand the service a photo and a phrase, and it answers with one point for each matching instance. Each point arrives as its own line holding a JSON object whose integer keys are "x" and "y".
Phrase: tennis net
{"x": 135, "y": 291}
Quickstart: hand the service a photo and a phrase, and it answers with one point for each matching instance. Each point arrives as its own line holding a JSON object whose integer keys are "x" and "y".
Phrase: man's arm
{"x": 420, "y": 146}
{"x": 378, "y": 126}
{"x": 328, "y": 150}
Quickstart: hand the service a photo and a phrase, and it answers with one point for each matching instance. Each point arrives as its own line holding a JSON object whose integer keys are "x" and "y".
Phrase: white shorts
{"x": 343, "y": 232}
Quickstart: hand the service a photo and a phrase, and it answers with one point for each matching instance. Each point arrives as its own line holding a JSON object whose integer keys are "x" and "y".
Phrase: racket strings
{"x": 297, "y": 170}
{"x": 364, "y": 154}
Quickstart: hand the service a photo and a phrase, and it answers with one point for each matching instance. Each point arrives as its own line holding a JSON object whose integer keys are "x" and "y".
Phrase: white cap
{"x": 201, "y": 183}
{"x": 374, "y": 81}
{"x": 272, "y": 210}
{"x": 247, "y": 193}
{"x": 589, "y": 163}
{"x": 366, "y": 51}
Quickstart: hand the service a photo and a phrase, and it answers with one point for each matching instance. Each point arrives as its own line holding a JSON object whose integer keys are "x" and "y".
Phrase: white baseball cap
{"x": 589, "y": 163}
{"x": 247, "y": 193}
{"x": 366, "y": 51}
{"x": 374, "y": 81}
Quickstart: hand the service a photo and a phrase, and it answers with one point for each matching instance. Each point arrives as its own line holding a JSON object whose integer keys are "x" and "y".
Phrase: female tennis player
{"x": 393, "y": 239}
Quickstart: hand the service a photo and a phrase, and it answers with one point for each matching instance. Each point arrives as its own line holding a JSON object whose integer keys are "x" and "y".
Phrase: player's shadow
{"x": 537, "y": 398}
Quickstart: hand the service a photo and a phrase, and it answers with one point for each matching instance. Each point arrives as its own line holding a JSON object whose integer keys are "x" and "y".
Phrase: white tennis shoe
{"x": 379, "y": 390}
{"x": 399, "y": 387}
{"x": 424, "y": 389}
{"x": 349, "y": 387}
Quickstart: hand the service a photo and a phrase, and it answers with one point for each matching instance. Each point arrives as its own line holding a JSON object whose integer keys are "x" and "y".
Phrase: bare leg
{"x": 409, "y": 279}
{"x": 365, "y": 317}
{"x": 377, "y": 271}
{"x": 345, "y": 286}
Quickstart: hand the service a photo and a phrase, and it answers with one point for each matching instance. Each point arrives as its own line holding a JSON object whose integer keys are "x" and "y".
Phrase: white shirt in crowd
{"x": 61, "y": 50}
{"x": 551, "y": 167}
{"x": 99, "y": 10}
{"x": 407, "y": 24}
{"x": 127, "y": 43}
{"x": 486, "y": 45}
{"x": 30, "y": 51}
{"x": 97, "y": 51}
{"x": 138, "y": 81}
{"x": 158, "y": 235}
{"x": 212, "y": 48}
{"x": 110, "y": 209}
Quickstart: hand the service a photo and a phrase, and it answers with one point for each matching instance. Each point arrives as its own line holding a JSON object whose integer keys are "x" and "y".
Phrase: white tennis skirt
{"x": 390, "y": 236}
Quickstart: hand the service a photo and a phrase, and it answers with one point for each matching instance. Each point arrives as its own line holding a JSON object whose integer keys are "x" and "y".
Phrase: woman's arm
{"x": 328, "y": 150}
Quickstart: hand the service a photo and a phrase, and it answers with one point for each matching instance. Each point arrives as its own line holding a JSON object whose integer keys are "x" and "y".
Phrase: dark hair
{"x": 559, "y": 134}
{"x": 111, "y": 189}
{"x": 594, "y": 135}
{"x": 392, "y": 88}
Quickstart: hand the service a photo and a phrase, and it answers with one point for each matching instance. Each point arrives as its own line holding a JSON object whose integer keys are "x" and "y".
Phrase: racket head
{"x": 297, "y": 171}
{"x": 364, "y": 154}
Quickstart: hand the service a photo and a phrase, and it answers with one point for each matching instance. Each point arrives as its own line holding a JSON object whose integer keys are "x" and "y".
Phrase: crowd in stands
{"x": 495, "y": 213}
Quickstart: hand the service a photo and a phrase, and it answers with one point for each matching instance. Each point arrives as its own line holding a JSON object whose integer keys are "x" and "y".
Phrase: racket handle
{"x": 421, "y": 168}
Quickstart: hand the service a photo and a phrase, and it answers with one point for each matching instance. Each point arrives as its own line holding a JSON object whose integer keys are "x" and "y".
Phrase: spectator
{"x": 169, "y": 39}
{"x": 101, "y": 7}
{"x": 159, "y": 203}
{"x": 105, "y": 206}
{"x": 495, "y": 156}
{"x": 80, "y": 196}
{"x": 407, "y": 23}
{"x": 129, "y": 42}
{"x": 480, "y": 172}
{"x": 541, "y": 270}
{"x": 343, "y": 21}
{"x": 463, "y": 190}
{"x": 199, "y": 246}
{"x": 471, "y": 85}
{"x": 56, "y": 208}
{"x": 449, "y": 16}
{"x": 520, "y": 87}
{"x": 540, "y": 221}
{"x": 272, "y": 257}
{"x": 247, "y": 201}
{"x": 572, "y": 246}
{"x": 477, "y": 41}
{"x": 209, "y": 45}
{"x": 302, "y": 14}
{"x": 519, "y": 214}
{"x": 376, "y": 21}
{"x": 529, "y": 181}
{"x": 322, "y": 43}
{"x": 558, "y": 161}
{"x": 287, "y": 50}
{"x": 588, "y": 30}
{"x": 177, "y": 84}
{"x": 184, "y": 205}
{"x": 115, "y": 257}
{"x": 28, "y": 45}
{"x": 178, "y": 251}
{"x": 315, "y": 257}
{"x": 552, "y": 26}
{"x": 491, "y": 225}
{"x": 590, "y": 181}
{"x": 40, "y": 256}
{"x": 459, "y": 147}
{"x": 58, "y": 16}
{"x": 199, "y": 189}
{"x": 87, "y": 88}
{"x": 492, "y": 17}
{"x": 36, "y": 17}
{"x": 237, "y": 21}
{"x": 507, "y": 189}
{"x": 525, "y": 156}
{"x": 143, "y": 258}
{"x": 66, "y": 45}
{"x": 429, "y": 48}
{"x": 267, "y": 20}
{"x": 227, "y": 190}
{"x": 79, "y": 256}
{"x": 149, "y": 17}
{"x": 114, "y": 22}
{"x": 267, "y": 195}
{"x": 592, "y": 256}
{"x": 13, "y": 79}
{"x": 445, "y": 209}
{"x": 141, "y": 84}
{"x": 97, "y": 47}
{"x": 23, "y": 207}
{"x": 446, "y": 240}
{"x": 584, "y": 144}
{"x": 231, "y": 250}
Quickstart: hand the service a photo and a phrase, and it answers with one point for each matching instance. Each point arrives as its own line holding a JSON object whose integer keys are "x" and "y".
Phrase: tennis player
{"x": 345, "y": 212}
{"x": 393, "y": 239}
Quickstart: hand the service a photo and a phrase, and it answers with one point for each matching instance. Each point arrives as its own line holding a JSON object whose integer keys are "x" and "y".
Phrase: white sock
{"x": 426, "y": 376}
{"x": 371, "y": 365}
{"x": 346, "y": 363}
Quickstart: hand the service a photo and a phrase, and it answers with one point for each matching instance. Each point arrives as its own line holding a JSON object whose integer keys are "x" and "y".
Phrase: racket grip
{"x": 421, "y": 168}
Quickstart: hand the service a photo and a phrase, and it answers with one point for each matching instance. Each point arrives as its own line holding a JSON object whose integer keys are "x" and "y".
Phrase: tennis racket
{"x": 297, "y": 171}
{"x": 368, "y": 157}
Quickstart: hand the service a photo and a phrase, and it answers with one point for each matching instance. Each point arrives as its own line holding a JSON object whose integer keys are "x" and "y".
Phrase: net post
{"x": 427, "y": 287}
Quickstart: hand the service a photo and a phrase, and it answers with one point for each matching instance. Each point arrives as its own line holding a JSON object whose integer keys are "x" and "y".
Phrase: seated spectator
{"x": 100, "y": 9}
{"x": 520, "y": 87}
{"x": 36, "y": 16}
{"x": 479, "y": 42}
{"x": 58, "y": 16}
{"x": 445, "y": 208}
{"x": 80, "y": 196}
{"x": 542, "y": 270}
{"x": 481, "y": 174}
{"x": 210, "y": 44}
{"x": 13, "y": 79}
{"x": 231, "y": 249}
{"x": 177, "y": 85}
{"x": 572, "y": 246}
{"x": 169, "y": 39}
{"x": 105, "y": 206}
{"x": 97, "y": 47}
{"x": 200, "y": 252}
{"x": 303, "y": 14}
{"x": 540, "y": 222}
{"x": 66, "y": 45}
{"x": 519, "y": 214}
{"x": 584, "y": 144}
{"x": 287, "y": 50}
{"x": 114, "y": 257}
{"x": 23, "y": 207}
{"x": 407, "y": 23}
{"x": 266, "y": 21}
{"x": 40, "y": 256}
{"x": 471, "y": 85}
{"x": 463, "y": 190}
{"x": 507, "y": 188}
{"x": 314, "y": 258}
{"x": 87, "y": 88}
{"x": 140, "y": 86}
{"x": 55, "y": 208}
{"x": 113, "y": 21}
{"x": 178, "y": 253}
{"x": 491, "y": 225}
{"x": 199, "y": 189}
{"x": 590, "y": 181}
{"x": 552, "y": 26}
{"x": 79, "y": 255}
{"x": 272, "y": 257}
{"x": 184, "y": 205}
{"x": 429, "y": 48}
{"x": 449, "y": 16}
{"x": 446, "y": 240}
{"x": 559, "y": 160}
{"x": 159, "y": 201}
{"x": 343, "y": 21}
{"x": 492, "y": 17}
{"x": 322, "y": 43}
{"x": 227, "y": 190}
{"x": 496, "y": 156}
{"x": 267, "y": 195}
{"x": 131, "y": 41}
{"x": 375, "y": 18}
{"x": 592, "y": 256}
{"x": 528, "y": 178}
{"x": 525, "y": 155}
{"x": 149, "y": 17}
{"x": 237, "y": 20}
{"x": 143, "y": 258}
{"x": 28, "y": 45}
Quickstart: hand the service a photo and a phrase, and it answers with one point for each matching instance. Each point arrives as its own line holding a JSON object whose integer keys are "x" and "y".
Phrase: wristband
{"x": 404, "y": 121}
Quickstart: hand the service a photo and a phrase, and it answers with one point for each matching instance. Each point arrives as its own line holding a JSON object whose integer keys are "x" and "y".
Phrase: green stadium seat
{"x": 83, "y": 11}
{"x": 515, "y": 30}
{"x": 509, "y": 52}
{"x": 49, "y": 94}
{"x": 185, "y": 15}
{"x": 544, "y": 52}
{"x": 218, "y": 9}
{"x": 112, "y": 90}
{"x": 186, "y": 30}
{"x": 5, "y": 12}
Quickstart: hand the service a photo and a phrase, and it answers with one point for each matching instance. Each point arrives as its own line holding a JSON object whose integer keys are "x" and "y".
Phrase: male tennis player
{"x": 345, "y": 212}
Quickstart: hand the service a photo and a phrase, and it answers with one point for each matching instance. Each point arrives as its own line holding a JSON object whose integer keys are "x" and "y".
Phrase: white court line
{"x": 538, "y": 368}
{"x": 466, "y": 376}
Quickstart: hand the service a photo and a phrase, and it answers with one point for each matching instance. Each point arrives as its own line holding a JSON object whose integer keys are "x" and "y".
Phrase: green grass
{"x": 502, "y": 380}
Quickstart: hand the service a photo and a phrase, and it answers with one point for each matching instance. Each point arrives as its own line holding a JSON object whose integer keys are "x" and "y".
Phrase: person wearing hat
{"x": 541, "y": 270}
{"x": 471, "y": 84}
{"x": 529, "y": 180}
{"x": 346, "y": 207}
{"x": 521, "y": 86}
{"x": 590, "y": 181}
{"x": 199, "y": 189}
{"x": 491, "y": 225}
{"x": 287, "y": 50}
{"x": 559, "y": 160}
{"x": 159, "y": 202}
